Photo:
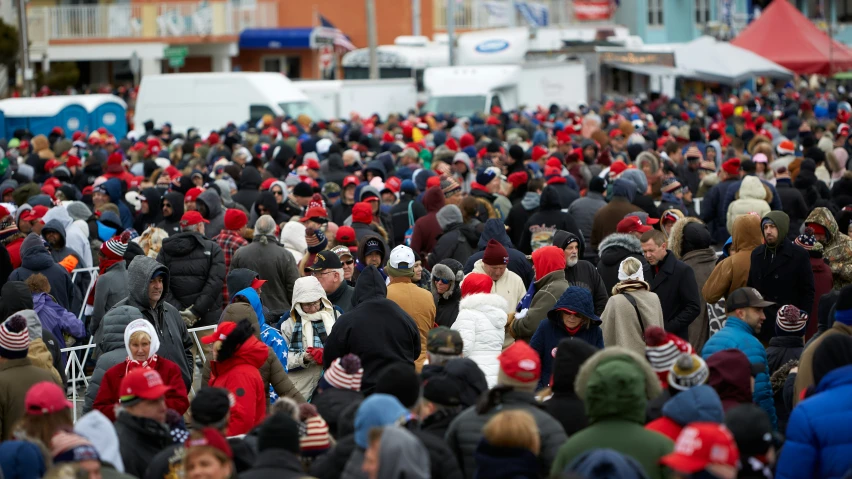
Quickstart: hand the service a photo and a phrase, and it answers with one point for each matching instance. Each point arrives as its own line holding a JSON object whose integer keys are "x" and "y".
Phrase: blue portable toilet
{"x": 41, "y": 115}
{"x": 3, "y": 125}
{"x": 106, "y": 111}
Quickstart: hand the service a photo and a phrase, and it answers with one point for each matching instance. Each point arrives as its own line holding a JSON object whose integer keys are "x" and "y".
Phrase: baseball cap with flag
{"x": 701, "y": 444}
{"x": 191, "y": 218}
{"x": 142, "y": 383}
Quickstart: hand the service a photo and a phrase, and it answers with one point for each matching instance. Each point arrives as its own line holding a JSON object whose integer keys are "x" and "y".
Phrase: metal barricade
{"x": 93, "y": 271}
{"x": 75, "y": 365}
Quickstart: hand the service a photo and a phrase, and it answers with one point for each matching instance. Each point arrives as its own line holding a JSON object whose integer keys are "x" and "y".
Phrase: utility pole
{"x": 451, "y": 30}
{"x": 415, "y": 18}
{"x": 372, "y": 39}
{"x": 23, "y": 39}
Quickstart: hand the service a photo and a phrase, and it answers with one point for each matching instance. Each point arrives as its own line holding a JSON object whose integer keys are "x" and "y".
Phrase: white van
{"x": 209, "y": 101}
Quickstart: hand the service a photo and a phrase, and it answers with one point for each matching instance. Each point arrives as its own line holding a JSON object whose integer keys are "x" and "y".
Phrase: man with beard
{"x": 580, "y": 272}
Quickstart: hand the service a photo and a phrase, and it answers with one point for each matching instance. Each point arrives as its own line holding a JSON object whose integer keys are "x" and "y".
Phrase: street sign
{"x": 174, "y": 52}
{"x": 176, "y": 62}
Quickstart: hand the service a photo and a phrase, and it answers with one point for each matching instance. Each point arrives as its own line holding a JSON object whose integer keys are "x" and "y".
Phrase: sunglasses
{"x": 442, "y": 281}
{"x": 278, "y": 193}
{"x": 348, "y": 263}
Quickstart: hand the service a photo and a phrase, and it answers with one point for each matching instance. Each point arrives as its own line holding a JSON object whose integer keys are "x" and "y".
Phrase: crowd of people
{"x": 516, "y": 294}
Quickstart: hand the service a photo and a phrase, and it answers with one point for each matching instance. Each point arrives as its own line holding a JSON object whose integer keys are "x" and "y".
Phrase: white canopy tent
{"x": 708, "y": 59}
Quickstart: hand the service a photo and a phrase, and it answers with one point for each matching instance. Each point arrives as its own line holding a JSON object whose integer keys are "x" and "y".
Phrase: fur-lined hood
{"x": 779, "y": 377}
{"x": 616, "y": 383}
{"x": 447, "y": 269}
{"x": 676, "y": 236}
{"x": 626, "y": 241}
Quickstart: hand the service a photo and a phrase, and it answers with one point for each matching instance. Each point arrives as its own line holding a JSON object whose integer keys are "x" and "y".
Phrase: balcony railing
{"x": 149, "y": 20}
{"x": 481, "y": 14}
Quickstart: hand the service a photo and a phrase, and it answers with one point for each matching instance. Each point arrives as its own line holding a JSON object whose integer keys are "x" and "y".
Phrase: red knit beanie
{"x": 362, "y": 212}
{"x": 495, "y": 254}
{"x": 547, "y": 260}
{"x": 235, "y": 219}
{"x": 476, "y": 283}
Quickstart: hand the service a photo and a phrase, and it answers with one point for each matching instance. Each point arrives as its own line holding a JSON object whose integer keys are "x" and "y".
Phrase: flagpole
{"x": 372, "y": 39}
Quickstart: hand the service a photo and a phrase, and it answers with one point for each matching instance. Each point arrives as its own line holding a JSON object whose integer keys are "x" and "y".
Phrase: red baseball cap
{"x": 312, "y": 164}
{"x": 617, "y": 168}
{"x": 632, "y": 224}
{"x": 36, "y": 213}
{"x": 316, "y": 213}
{"x": 257, "y": 283}
{"x": 394, "y": 184}
{"x": 142, "y": 383}
{"x": 520, "y": 362}
{"x": 345, "y": 234}
{"x": 701, "y": 444}
{"x": 615, "y": 133}
{"x": 222, "y": 331}
{"x": 192, "y": 194}
{"x": 45, "y": 398}
{"x": 211, "y": 438}
{"x": 191, "y": 218}
{"x": 350, "y": 180}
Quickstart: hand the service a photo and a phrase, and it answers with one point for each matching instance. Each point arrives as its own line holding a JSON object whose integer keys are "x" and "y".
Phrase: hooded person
{"x": 372, "y": 251}
{"x": 376, "y": 330}
{"x": 141, "y": 344}
{"x": 817, "y": 443}
{"x": 641, "y": 199}
{"x": 730, "y": 375}
{"x": 837, "y": 246}
{"x": 415, "y": 301}
{"x": 526, "y": 207}
{"x": 98, "y": 429}
{"x": 52, "y": 316}
{"x": 631, "y": 309}
{"x": 209, "y": 204}
{"x": 112, "y": 275}
{"x": 481, "y": 322}
{"x": 517, "y": 378}
{"x": 150, "y": 213}
{"x": 732, "y": 272}
{"x": 564, "y": 404}
{"x": 446, "y": 291}
{"x": 427, "y": 229}
{"x": 458, "y": 240}
{"x": 603, "y": 462}
{"x": 293, "y": 239}
{"x": 549, "y": 284}
{"x": 779, "y": 257}
{"x": 607, "y": 218}
{"x": 148, "y": 283}
{"x": 249, "y": 187}
{"x": 35, "y": 258}
{"x": 172, "y": 208}
{"x": 690, "y": 242}
{"x": 752, "y": 196}
{"x": 494, "y": 229}
{"x": 54, "y": 234}
{"x": 698, "y": 403}
{"x": 579, "y": 272}
{"x": 311, "y": 320}
{"x": 75, "y": 239}
{"x": 542, "y": 225}
{"x": 614, "y": 249}
{"x": 237, "y": 358}
{"x": 112, "y": 187}
{"x": 615, "y": 385}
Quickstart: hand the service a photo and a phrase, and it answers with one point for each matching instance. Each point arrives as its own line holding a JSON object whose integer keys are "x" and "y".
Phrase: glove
{"x": 315, "y": 353}
{"x": 189, "y": 318}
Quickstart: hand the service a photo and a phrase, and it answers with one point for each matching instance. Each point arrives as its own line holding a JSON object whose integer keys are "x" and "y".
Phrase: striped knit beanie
{"x": 115, "y": 247}
{"x": 662, "y": 350}
{"x": 316, "y": 439}
{"x": 790, "y": 321}
{"x": 14, "y": 338}
{"x": 345, "y": 373}
{"x": 69, "y": 447}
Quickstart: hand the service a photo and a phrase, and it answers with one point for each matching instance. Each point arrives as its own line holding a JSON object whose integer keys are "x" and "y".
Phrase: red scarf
{"x": 105, "y": 264}
{"x": 131, "y": 364}
{"x": 477, "y": 186}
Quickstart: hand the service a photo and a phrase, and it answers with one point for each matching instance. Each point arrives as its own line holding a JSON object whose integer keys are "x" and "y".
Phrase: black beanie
{"x": 834, "y": 352}
{"x": 210, "y": 407}
{"x": 597, "y": 184}
{"x": 516, "y": 153}
{"x": 401, "y": 381}
{"x": 570, "y": 355}
{"x": 279, "y": 431}
{"x": 303, "y": 190}
{"x": 844, "y": 301}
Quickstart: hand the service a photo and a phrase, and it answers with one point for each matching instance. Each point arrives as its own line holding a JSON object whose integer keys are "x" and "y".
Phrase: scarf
{"x": 321, "y": 322}
{"x": 131, "y": 364}
{"x": 630, "y": 285}
{"x": 106, "y": 263}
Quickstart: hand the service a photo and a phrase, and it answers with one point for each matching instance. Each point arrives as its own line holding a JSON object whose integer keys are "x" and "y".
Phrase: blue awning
{"x": 277, "y": 38}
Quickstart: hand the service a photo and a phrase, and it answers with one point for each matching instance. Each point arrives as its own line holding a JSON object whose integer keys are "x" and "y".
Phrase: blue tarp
{"x": 276, "y": 38}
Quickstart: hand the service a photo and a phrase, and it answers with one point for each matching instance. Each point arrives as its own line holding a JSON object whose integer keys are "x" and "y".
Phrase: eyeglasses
{"x": 441, "y": 280}
{"x": 349, "y": 263}
{"x": 319, "y": 273}
{"x": 315, "y": 306}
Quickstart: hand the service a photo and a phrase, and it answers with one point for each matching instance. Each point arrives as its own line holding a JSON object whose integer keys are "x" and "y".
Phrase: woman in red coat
{"x": 237, "y": 358}
{"x": 142, "y": 345}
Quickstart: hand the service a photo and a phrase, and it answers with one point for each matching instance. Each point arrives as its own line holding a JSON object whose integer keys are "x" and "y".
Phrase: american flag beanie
{"x": 14, "y": 338}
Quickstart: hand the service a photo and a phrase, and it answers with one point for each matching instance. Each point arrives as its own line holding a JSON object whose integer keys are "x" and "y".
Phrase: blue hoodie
{"x": 269, "y": 335}
{"x": 698, "y": 404}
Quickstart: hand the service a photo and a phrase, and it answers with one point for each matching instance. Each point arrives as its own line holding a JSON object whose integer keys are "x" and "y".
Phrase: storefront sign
{"x": 638, "y": 58}
{"x": 593, "y": 10}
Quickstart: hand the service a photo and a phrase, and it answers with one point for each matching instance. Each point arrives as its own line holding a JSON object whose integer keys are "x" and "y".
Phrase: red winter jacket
{"x": 14, "y": 249}
{"x": 823, "y": 283}
{"x": 240, "y": 375}
{"x": 108, "y": 393}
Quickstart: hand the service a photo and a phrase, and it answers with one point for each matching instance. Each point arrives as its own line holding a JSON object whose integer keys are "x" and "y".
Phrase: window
{"x": 655, "y": 13}
{"x": 844, "y": 11}
{"x": 702, "y": 11}
{"x": 290, "y": 66}
{"x": 256, "y": 112}
{"x": 495, "y": 101}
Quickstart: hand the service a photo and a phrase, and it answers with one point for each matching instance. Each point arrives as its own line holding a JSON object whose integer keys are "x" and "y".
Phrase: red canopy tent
{"x": 785, "y": 36}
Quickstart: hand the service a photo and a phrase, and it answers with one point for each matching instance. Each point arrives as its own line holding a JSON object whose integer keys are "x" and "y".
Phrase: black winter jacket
{"x": 518, "y": 262}
{"x": 458, "y": 242}
{"x": 36, "y": 259}
{"x": 793, "y": 203}
{"x": 376, "y": 330}
{"x": 331, "y": 402}
{"x": 249, "y": 187}
{"x": 585, "y": 275}
{"x": 140, "y": 439}
{"x": 197, "y": 272}
{"x": 675, "y": 285}
{"x": 399, "y": 216}
{"x": 548, "y": 219}
{"x": 442, "y": 463}
{"x": 782, "y": 349}
{"x": 275, "y": 463}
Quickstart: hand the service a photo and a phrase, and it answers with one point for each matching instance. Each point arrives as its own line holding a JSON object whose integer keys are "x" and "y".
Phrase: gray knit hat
{"x": 78, "y": 210}
{"x": 449, "y": 215}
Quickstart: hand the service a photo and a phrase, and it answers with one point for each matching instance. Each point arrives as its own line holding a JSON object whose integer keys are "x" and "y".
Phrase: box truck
{"x": 341, "y": 98}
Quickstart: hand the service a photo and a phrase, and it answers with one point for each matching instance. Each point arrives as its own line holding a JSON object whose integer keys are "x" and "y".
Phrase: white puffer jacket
{"x": 481, "y": 323}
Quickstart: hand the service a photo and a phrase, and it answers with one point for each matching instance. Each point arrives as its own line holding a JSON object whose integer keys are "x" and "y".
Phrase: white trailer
{"x": 340, "y": 98}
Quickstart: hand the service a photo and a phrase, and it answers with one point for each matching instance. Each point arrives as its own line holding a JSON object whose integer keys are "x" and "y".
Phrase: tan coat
{"x": 732, "y": 273}
{"x": 40, "y": 356}
{"x": 16, "y": 378}
{"x": 418, "y": 303}
{"x": 621, "y": 326}
{"x": 805, "y": 376}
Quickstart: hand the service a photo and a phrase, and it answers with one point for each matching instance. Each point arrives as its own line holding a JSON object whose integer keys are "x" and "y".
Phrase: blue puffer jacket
{"x": 737, "y": 334}
{"x": 552, "y": 330}
{"x": 819, "y": 440}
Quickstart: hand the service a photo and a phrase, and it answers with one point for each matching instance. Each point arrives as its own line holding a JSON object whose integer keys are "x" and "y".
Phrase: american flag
{"x": 341, "y": 41}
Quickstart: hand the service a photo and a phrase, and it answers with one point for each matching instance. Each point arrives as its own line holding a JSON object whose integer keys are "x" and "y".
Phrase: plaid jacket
{"x": 229, "y": 241}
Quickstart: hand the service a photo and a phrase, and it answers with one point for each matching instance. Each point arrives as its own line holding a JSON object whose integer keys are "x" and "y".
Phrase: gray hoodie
{"x": 401, "y": 454}
{"x": 98, "y": 429}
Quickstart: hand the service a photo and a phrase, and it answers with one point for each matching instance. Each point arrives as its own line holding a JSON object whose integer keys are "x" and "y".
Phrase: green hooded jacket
{"x": 615, "y": 385}
{"x": 837, "y": 247}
